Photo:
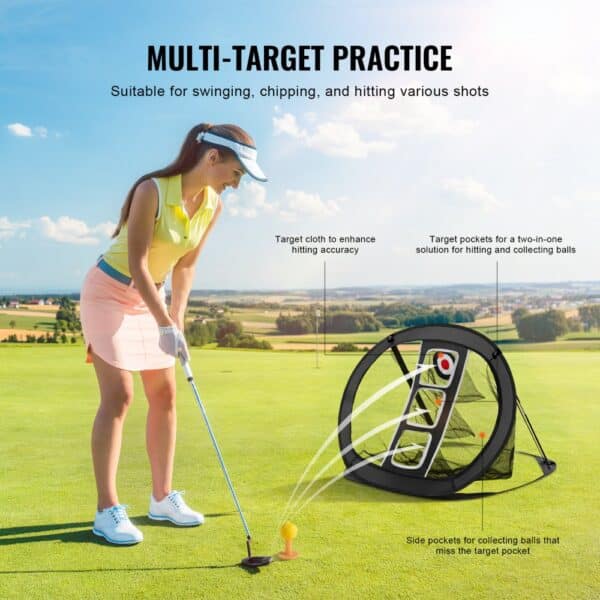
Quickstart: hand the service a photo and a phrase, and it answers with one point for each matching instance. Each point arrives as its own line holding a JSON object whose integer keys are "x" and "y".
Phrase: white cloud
{"x": 334, "y": 138}
{"x": 106, "y": 229}
{"x": 304, "y": 203}
{"x": 287, "y": 215}
{"x": 406, "y": 116}
{"x": 250, "y": 202}
{"x": 577, "y": 87}
{"x": 9, "y": 229}
{"x": 561, "y": 202}
{"x": 20, "y": 130}
{"x": 371, "y": 126}
{"x": 287, "y": 124}
{"x": 467, "y": 188}
{"x": 73, "y": 231}
{"x": 342, "y": 139}
{"x": 581, "y": 204}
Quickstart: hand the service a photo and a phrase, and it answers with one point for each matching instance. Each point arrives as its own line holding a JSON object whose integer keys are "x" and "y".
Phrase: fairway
{"x": 271, "y": 411}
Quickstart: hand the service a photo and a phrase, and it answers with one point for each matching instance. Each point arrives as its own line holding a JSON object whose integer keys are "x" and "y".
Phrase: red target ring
{"x": 444, "y": 364}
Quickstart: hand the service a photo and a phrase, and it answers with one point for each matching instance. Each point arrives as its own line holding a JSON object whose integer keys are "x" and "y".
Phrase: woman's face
{"x": 224, "y": 172}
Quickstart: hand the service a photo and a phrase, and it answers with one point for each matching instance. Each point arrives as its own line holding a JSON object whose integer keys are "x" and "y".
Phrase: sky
{"x": 520, "y": 161}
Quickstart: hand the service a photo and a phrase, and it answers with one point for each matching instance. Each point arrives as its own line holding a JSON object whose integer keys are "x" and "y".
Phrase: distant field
{"x": 32, "y": 309}
{"x": 594, "y": 334}
{"x": 261, "y": 323}
{"x": 45, "y": 322}
{"x": 507, "y": 338}
{"x": 263, "y": 316}
{"x": 506, "y": 332}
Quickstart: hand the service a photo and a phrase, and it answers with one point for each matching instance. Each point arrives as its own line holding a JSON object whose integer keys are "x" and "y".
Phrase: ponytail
{"x": 189, "y": 155}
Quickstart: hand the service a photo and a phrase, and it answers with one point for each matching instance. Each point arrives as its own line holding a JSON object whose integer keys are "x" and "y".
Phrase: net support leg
{"x": 532, "y": 431}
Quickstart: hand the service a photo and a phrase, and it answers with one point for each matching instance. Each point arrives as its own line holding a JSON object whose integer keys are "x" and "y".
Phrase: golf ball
{"x": 288, "y": 531}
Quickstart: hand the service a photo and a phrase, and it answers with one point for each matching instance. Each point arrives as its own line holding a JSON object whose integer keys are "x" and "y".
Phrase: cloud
{"x": 73, "y": 231}
{"x": 467, "y": 188}
{"x": 106, "y": 229}
{"x": 417, "y": 116}
{"x": 287, "y": 215}
{"x": 287, "y": 124}
{"x": 250, "y": 202}
{"x": 9, "y": 229}
{"x": 581, "y": 204}
{"x": 371, "y": 126}
{"x": 334, "y": 138}
{"x": 576, "y": 86}
{"x": 20, "y": 130}
{"x": 311, "y": 205}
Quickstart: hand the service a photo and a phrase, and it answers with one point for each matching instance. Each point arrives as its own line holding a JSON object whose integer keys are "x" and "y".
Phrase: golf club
{"x": 249, "y": 561}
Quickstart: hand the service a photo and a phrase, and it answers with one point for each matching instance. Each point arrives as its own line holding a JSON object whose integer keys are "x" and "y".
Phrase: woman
{"x": 164, "y": 223}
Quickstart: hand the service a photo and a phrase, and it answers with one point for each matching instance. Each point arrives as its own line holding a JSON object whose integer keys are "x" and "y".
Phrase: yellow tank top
{"x": 174, "y": 233}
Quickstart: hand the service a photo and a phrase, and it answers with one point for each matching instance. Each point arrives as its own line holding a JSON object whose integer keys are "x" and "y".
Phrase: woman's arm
{"x": 183, "y": 276}
{"x": 140, "y": 229}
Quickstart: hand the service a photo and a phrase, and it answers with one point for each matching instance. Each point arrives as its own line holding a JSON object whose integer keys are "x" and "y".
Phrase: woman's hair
{"x": 189, "y": 155}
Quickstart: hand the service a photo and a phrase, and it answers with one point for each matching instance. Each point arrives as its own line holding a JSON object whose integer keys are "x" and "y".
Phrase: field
{"x": 261, "y": 323}
{"x": 271, "y": 411}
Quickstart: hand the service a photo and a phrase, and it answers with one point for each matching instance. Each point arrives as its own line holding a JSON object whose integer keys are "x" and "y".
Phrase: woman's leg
{"x": 116, "y": 394}
{"x": 161, "y": 426}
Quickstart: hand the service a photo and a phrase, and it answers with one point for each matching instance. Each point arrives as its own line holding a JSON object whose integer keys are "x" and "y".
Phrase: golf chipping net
{"x": 459, "y": 415}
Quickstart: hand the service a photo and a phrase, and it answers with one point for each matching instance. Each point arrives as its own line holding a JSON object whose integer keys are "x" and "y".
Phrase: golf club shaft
{"x": 190, "y": 378}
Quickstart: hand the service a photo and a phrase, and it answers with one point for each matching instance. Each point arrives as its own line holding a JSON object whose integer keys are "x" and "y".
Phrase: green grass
{"x": 270, "y": 412}
{"x": 507, "y": 338}
{"x": 27, "y": 322}
{"x": 505, "y": 332}
{"x": 255, "y": 316}
{"x": 307, "y": 343}
{"x": 558, "y": 346}
{"x": 361, "y": 337}
{"x": 593, "y": 334}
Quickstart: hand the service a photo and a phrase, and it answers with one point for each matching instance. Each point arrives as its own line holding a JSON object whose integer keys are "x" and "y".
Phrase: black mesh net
{"x": 471, "y": 423}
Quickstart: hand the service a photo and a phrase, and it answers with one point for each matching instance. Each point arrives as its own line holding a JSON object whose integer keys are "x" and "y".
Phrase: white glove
{"x": 172, "y": 341}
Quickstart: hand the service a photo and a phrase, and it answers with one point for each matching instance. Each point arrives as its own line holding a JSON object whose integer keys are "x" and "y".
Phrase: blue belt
{"x": 112, "y": 272}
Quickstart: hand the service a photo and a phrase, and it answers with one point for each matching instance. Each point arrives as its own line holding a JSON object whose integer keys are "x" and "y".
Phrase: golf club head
{"x": 256, "y": 561}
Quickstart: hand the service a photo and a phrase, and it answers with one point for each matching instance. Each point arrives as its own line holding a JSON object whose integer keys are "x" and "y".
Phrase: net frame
{"x": 399, "y": 479}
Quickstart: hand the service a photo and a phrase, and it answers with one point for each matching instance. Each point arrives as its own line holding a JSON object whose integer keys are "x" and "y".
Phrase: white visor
{"x": 246, "y": 154}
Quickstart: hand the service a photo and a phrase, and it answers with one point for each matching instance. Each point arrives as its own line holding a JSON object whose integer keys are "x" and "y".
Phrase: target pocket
{"x": 444, "y": 365}
{"x": 432, "y": 401}
{"x": 411, "y": 449}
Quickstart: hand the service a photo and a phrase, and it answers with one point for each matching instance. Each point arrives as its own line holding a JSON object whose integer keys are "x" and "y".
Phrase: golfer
{"x": 127, "y": 325}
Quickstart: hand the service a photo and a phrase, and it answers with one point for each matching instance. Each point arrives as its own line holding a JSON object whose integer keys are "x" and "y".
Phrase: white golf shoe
{"x": 173, "y": 508}
{"x": 114, "y": 526}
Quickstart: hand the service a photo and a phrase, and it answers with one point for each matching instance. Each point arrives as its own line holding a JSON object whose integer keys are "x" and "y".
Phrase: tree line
{"x": 391, "y": 315}
{"x": 399, "y": 314}
{"x": 336, "y": 322}
{"x": 548, "y": 325}
{"x": 66, "y": 326}
{"x": 226, "y": 332}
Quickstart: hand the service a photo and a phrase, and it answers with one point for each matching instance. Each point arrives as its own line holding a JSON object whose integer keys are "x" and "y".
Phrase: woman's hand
{"x": 172, "y": 341}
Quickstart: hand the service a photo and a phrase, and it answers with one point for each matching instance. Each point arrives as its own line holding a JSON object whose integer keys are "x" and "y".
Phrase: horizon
{"x": 390, "y": 288}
